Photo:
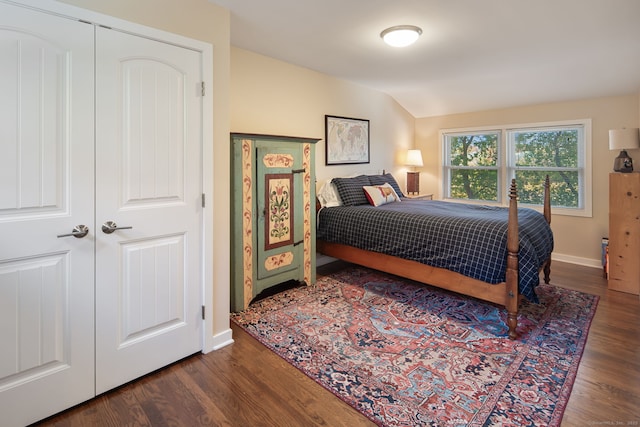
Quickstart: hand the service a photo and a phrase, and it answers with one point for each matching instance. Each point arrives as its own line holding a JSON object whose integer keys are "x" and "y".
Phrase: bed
{"x": 494, "y": 254}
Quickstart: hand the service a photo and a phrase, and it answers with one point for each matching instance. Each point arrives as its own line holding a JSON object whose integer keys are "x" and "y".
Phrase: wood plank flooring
{"x": 245, "y": 384}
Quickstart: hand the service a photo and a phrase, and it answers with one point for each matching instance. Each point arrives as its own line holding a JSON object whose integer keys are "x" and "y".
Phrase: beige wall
{"x": 576, "y": 239}
{"x": 201, "y": 20}
{"x": 273, "y": 97}
{"x": 270, "y": 96}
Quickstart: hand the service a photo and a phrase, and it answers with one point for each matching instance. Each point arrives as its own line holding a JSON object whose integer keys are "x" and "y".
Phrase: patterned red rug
{"x": 405, "y": 354}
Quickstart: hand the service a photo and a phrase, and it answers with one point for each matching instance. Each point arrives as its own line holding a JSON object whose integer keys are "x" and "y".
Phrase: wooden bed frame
{"x": 504, "y": 293}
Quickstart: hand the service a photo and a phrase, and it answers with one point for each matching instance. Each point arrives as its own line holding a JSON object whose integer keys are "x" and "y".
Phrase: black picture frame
{"x": 347, "y": 140}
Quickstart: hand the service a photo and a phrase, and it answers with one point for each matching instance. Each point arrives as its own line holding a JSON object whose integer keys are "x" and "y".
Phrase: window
{"x": 480, "y": 163}
{"x": 473, "y": 165}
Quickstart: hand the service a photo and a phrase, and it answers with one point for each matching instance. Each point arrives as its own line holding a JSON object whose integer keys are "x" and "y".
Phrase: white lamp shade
{"x": 624, "y": 139}
{"x": 414, "y": 158}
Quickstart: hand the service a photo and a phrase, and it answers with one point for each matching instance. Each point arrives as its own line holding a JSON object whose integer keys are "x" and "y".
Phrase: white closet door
{"x": 46, "y": 189}
{"x": 148, "y": 178}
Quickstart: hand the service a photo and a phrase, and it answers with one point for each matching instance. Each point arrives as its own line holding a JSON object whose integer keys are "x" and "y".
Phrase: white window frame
{"x": 506, "y": 162}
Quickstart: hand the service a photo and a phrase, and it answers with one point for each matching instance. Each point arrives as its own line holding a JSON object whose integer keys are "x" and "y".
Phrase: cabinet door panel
{"x": 279, "y": 213}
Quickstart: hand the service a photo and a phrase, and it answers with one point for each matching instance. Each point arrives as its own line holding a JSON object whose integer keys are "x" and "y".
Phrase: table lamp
{"x": 414, "y": 158}
{"x": 623, "y": 139}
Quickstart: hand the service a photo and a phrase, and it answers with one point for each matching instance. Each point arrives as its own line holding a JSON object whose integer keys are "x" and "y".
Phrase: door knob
{"x": 110, "y": 226}
{"x": 79, "y": 231}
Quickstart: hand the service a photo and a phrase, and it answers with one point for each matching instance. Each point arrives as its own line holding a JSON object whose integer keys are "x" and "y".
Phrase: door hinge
{"x": 203, "y": 203}
{"x": 203, "y": 312}
{"x": 202, "y": 88}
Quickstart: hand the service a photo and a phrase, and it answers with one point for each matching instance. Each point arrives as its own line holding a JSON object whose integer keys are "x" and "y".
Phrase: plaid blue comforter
{"x": 468, "y": 239}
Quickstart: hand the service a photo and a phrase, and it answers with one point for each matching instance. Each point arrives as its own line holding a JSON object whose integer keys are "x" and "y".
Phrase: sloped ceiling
{"x": 473, "y": 55}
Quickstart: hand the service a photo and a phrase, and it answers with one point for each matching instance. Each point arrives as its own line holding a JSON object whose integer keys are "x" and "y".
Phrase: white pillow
{"x": 328, "y": 195}
{"x": 380, "y": 194}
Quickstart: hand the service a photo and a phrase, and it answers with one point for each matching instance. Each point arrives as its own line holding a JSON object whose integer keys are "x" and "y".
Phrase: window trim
{"x": 506, "y": 170}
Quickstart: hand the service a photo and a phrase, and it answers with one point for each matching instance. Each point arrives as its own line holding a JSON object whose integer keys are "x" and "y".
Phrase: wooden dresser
{"x": 272, "y": 215}
{"x": 624, "y": 232}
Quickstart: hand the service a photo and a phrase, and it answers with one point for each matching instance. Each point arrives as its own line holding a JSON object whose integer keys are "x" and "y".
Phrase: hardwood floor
{"x": 245, "y": 384}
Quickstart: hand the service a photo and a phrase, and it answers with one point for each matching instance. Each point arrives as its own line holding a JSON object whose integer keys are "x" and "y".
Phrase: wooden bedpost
{"x": 513, "y": 245}
{"x": 547, "y": 216}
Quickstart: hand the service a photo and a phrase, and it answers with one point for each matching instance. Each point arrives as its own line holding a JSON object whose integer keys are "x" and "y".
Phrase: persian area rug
{"x": 406, "y": 354}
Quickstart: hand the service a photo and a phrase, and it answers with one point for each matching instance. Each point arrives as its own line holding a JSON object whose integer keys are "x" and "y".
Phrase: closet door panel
{"x": 149, "y": 181}
{"x": 153, "y": 134}
{"x": 46, "y": 189}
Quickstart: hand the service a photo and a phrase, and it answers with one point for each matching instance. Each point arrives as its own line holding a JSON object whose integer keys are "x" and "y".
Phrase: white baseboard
{"x": 587, "y": 262}
{"x": 220, "y": 340}
{"x": 323, "y": 259}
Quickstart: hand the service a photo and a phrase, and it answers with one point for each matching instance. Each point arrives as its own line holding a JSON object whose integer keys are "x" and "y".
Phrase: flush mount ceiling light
{"x": 401, "y": 35}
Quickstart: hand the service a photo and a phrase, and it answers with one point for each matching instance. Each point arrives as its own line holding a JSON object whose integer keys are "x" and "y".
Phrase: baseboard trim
{"x": 587, "y": 262}
{"x": 220, "y": 340}
{"x": 322, "y": 259}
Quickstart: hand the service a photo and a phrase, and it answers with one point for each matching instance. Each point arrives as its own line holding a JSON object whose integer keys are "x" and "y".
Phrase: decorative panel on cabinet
{"x": 624, "y": 232}
{"x": 273, "y": 214}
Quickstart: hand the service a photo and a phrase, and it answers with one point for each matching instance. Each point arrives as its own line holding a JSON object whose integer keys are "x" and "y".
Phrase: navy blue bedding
{"x": 468, "y": 239}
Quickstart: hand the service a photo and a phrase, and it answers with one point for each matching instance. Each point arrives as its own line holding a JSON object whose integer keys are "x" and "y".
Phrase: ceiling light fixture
{"x": 401, "y": 35}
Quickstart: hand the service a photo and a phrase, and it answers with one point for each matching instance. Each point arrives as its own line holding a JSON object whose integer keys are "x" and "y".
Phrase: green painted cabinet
{"x": 272, "y": 214}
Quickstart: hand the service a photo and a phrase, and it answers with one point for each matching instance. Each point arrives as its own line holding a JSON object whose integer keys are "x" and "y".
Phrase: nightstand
{"x": 419, "y": 196}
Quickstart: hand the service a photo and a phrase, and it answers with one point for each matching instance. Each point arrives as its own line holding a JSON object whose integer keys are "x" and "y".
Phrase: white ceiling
{"x": 473, "y": 54}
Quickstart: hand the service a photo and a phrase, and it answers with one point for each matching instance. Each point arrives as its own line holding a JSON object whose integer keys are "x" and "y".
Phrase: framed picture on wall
{"x": 346, "y": 140}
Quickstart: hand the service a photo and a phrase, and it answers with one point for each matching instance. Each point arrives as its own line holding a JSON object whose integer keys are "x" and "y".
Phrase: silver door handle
{"x": 79, "y": 231}
{"x": 110, "y": 226}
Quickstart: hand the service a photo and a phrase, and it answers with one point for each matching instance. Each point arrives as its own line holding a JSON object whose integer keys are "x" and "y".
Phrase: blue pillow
{"x": 351, "y": 190}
